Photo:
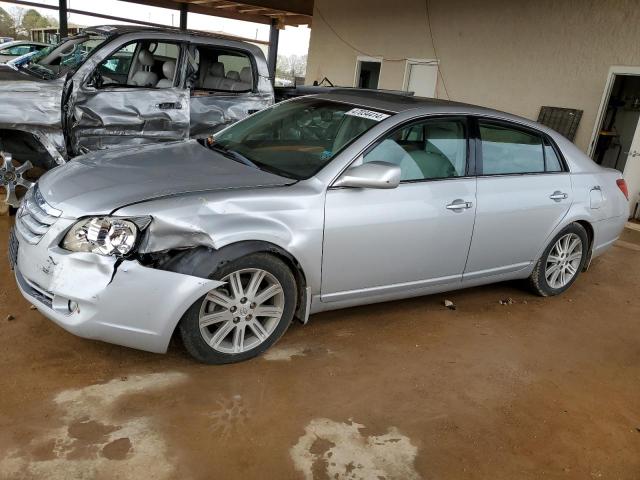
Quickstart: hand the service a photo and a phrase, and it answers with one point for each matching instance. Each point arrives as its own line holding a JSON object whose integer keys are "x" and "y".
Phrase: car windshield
{"x": 297, "y": 139}
{"x": 57, "y": 60}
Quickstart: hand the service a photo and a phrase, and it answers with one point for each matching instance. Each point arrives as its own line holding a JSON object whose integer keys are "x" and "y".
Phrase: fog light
{"x": 73, "y": 306}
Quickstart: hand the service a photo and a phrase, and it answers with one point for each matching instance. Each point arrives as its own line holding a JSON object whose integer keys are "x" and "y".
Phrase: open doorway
{"x": 616, "y": 140}
{"x": 368, "y": 72}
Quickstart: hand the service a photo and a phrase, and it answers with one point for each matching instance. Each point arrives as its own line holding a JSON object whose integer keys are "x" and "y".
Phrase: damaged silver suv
{"x": 323, "y": 202}
{"x": 114, "y": 86}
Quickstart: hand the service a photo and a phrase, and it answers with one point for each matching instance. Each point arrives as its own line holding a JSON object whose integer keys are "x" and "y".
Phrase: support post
{"x": 184, "y": 11}
{"x": 62, "y": 21}
{"x": 274, "y": 36}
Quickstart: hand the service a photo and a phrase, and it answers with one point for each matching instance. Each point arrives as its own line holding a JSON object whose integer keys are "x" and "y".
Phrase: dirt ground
{"x": 541, "y": 388}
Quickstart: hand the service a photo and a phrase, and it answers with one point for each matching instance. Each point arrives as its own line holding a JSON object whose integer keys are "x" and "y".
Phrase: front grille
{"x": 35, "y": 216}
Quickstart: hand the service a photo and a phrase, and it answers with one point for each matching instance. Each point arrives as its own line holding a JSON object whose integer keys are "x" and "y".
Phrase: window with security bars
{"x": 563, "y": 120}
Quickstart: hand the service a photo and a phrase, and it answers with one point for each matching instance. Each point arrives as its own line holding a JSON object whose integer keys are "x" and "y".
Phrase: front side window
{"x": 426, "y": 150}
{"x": 67, "y": 56}
{"x": 146, "y": 63}
{"x": 297, "y": 138}
{"x": 508, "y": 150}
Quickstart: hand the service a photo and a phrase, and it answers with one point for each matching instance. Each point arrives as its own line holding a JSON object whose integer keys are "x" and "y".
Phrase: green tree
{"x": 32, "y": 19}
{"x": 7, "y": 26}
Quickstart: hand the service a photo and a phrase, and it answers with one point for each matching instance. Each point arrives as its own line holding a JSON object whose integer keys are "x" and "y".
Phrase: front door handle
{"x": 558, "y": 195}
{"x": 459, "y": 205}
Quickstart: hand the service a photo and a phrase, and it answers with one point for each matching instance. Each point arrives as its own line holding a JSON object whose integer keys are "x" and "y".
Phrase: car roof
{"x": 111, "y": 30}
{"x": 21, "y": 42}
{"x": 391, "y": 102}
{"x": 397, "y": 102}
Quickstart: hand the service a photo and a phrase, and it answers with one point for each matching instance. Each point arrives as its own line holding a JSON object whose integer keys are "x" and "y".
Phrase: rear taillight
{"x": 622, "y": 185}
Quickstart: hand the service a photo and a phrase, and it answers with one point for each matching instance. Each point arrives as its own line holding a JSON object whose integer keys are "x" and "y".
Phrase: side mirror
{"x": 370, "y": 175}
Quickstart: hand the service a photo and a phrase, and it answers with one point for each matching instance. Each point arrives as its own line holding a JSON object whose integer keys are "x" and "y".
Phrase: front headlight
{"x": 104, "y": 235}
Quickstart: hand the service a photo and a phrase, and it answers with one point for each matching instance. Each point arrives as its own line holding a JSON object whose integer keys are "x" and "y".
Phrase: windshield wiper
{"x": 233, "y": 155}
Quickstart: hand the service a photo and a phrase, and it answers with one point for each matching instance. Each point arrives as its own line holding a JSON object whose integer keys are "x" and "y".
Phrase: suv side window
{"x": 425, "y": 150}
{"x": 221, "y": 70}
{"x": 144, "y": 63}
{"x": 510, "y": 150}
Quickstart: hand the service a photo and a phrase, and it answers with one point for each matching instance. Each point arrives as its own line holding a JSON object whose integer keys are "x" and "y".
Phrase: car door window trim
{"x": 523, "y": 128}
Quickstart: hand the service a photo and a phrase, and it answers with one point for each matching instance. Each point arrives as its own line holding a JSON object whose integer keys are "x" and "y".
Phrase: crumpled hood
{"x": 101, "y": 182}
{"x": 28, "y": 101}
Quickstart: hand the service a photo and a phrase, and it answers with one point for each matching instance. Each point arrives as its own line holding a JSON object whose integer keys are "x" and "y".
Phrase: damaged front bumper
{"x": 99, "y": 297}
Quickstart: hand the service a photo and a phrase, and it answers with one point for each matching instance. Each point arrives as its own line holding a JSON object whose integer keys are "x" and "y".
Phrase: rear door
{"x": 225, "y": 86}
{"x": 133, "y": 96}
{"x": 524, "y": 191}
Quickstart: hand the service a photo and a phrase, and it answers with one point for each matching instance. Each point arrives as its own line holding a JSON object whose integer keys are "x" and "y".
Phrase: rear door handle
{"x": 459, "y": 205}
{"x": 169, "y": 106}
{"x": 558, "y": 195}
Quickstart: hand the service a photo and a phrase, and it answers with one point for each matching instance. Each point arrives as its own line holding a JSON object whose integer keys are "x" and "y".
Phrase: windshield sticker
{"x": 369, "y": 114}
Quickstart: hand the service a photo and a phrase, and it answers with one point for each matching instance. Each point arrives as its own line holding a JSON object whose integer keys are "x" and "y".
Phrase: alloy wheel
{"x": 12, "y": 177}
{"x": 563, "y": 260}
{"x": 243, "y": 313}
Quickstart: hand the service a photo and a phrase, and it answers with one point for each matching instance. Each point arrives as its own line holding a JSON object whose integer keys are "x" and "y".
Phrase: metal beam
{"x": 272, "y": 60}
{"x": 62, "y": 22}
{"x": 84, "y": 12}
{"x": 184, "y": 12}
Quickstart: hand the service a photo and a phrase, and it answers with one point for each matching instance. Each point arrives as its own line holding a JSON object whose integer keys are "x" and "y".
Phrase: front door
{"x": 410, "y": 237}
{"x": 524, "y": 191}
{"x": 133, "y": 97}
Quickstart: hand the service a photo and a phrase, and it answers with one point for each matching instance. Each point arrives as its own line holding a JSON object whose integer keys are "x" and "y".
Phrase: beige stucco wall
{"x": 514, "y": 55}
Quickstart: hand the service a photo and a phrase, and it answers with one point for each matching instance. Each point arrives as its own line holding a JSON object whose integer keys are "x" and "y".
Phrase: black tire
{"x": 538, "y": 281}
{"x": 189, "y": 326}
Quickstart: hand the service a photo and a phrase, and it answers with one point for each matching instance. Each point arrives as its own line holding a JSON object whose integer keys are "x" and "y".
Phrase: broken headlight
{"x": 104, "y": 235}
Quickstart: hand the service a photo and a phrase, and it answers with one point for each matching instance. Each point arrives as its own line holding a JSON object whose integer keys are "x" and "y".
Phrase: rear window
{"x": 511, "y": 150}
{"x": 221, "y": 71}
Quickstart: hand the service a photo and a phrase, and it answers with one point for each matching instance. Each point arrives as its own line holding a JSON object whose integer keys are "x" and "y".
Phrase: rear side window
{"x": 552, "y": 162}
{"x": 507, "y": 150}
{"x": 221, "y": 71}
{"x": 511, "y": 150}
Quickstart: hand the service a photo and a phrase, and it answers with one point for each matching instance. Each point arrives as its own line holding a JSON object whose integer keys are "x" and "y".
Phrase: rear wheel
{"x": 245, "y": 316}
{"x": 561, "y": 262}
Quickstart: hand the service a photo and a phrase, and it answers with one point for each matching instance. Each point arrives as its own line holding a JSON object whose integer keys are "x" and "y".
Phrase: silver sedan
{"x": 18, "y": 48}
{"x": 324, "y": 202}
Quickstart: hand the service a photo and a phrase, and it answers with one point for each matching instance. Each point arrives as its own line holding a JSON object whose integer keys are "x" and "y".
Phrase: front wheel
{"x": 561, "y": 262}
{"x": 245, "y": 316}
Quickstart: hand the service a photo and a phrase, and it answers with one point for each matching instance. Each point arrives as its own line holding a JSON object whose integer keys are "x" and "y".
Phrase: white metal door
{"x": 422, "y": 78}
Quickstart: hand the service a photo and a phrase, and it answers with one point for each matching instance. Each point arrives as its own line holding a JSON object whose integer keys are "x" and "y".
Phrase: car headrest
{"x": 145, "y": 57}
{"x": 233, "y": 75}
{"x": 168, "y": 69}
{"x": 245, "y": 75}
{"x": 216, "y": 69}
